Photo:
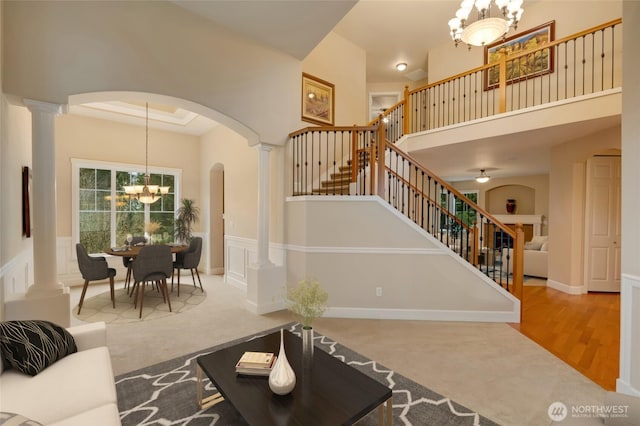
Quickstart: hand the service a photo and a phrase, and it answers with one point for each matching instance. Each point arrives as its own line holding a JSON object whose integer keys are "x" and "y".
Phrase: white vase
{"x": 282, "y": 378}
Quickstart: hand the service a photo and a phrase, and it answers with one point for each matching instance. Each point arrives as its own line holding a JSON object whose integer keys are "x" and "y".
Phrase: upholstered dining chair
{"x": 153, "y": 264}
{"x": 126, "y": 261}
{"x": 189, "y": 259}
{"x": 93, "y": 269}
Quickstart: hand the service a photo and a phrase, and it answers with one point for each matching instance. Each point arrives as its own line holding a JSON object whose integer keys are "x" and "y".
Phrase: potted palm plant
{"x": 188, "y": 214}
{"x": 307, "y": 301}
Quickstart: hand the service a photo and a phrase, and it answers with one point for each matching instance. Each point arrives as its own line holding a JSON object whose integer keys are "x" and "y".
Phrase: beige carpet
{"x": 100, "y": 308}
{"x": 488, "y": 367}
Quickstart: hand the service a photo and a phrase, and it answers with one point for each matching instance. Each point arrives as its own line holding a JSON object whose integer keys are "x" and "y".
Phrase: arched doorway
{"x": 216, "y": 219}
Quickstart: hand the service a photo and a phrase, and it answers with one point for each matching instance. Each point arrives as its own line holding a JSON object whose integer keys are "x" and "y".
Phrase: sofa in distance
{"x": 77, "y": 390}
{"x": 535, "y": 257}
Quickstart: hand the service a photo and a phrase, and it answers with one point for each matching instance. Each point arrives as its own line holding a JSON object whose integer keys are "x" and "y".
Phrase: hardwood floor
{"x": 582, "y": 330}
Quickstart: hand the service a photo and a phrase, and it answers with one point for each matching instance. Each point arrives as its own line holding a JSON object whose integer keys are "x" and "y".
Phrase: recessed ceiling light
{"x": 401, "y": 66}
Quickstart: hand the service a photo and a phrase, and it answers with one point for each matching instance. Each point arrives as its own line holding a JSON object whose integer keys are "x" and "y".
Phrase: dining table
{"x": 132, "y": 251}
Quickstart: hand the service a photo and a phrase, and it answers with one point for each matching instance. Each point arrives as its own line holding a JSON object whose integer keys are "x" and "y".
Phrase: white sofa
{"x": 535, "y": 256}
{"x": 77, "y": 390}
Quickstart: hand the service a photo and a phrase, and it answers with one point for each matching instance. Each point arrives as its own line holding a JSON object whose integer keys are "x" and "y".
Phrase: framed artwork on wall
{"x": 542, "y": 62}
{"x": 318, "y": 98}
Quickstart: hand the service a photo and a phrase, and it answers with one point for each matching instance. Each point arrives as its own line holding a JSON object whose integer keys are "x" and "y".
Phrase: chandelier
{"x": 486, "y": 28}
{"x": 146, "y": 193}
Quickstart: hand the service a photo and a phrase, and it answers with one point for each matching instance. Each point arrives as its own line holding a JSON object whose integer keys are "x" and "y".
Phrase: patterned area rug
{"x": 99, "y": 308}
{"x": 165, "y": 394}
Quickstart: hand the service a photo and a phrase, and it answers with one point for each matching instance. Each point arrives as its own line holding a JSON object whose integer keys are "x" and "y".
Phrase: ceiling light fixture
{"x": 485, "y": 29}
{"x": 146, "y": 193}
{"x": 483, "y": 178}
{"x": 401, "y": 66}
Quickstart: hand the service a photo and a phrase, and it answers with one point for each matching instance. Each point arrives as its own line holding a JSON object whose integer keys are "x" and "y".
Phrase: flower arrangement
{"x": 152, "y": 227}
{"x": 307, "y": 301}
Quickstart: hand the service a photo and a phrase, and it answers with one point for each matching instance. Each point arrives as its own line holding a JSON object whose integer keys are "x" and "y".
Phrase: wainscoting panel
{"x": 241, "y": 252}
{"x": 17, "y": 274}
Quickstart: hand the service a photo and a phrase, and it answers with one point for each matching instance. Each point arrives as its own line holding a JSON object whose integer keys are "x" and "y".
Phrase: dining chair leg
{"x": 178, "y": 282}
{"x": 84, "y": 291}
{"x": 141, "y": 301}
{"x": 166, "y": 292}
{"x": 127, "y": 279}
{"x": 113, "y": 293}
{"x": 135, "y": 289}
{"x": 199, "y": 280}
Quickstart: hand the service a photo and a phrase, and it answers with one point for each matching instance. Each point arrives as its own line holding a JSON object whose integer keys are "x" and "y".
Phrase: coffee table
{"x": 327, "y": 391}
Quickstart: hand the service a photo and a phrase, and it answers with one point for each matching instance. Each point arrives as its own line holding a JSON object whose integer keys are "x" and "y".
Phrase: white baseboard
{"x": 565, "y": 288}
{"x": 626, "y": 388}
{"x": 265, "y": 308}
{"x": 424, "y": 314}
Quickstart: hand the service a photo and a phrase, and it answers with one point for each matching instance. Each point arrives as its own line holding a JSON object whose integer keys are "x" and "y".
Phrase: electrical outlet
{"x": 378, "y": 291}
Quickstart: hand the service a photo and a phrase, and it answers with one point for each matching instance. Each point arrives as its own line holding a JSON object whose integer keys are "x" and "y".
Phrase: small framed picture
{"x": 317, "y": 100}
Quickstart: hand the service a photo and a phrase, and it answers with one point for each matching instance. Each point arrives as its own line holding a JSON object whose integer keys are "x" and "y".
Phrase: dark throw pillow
{"x": 31, "y": 346}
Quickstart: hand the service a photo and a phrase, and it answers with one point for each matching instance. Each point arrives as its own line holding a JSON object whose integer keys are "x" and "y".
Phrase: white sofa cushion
{"x": 76, "y": 383}
{"x": 106, "y": 415}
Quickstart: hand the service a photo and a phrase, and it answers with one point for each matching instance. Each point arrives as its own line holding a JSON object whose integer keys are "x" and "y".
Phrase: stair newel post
{"x": 406, "y": 106}
{"x": 474, "y": 245}
{"x": 354, "y": 155}
{"x": 381, "y": 155}
{"x": 518, "y": 261}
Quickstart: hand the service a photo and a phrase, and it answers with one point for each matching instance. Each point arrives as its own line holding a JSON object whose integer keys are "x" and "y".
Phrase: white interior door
{"x": 602, "y": 224}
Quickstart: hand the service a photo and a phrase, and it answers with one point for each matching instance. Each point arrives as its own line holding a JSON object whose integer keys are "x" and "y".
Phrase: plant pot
{"x": 511, "y": 206}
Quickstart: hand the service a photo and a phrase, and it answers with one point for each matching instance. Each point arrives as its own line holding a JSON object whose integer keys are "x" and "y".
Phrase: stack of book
{"x": 256, "y": 363}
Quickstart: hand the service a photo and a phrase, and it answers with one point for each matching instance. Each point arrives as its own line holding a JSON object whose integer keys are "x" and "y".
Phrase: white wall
{"x": 629, "y": 381}
{"x": 155, "y": 47}
{"x": 353, "y": 245}
{"x": 16, "y": 258}
{"x": 342, "y": 63}
{"x": 567, "y": 203}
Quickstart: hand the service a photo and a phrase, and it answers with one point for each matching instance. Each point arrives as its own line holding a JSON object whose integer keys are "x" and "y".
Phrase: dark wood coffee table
{"x": 327, "y": 391}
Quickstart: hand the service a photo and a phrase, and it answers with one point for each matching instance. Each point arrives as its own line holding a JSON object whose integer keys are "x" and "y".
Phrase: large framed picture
{"x": 527, "y": 66}
{"x": 317, "y": 100}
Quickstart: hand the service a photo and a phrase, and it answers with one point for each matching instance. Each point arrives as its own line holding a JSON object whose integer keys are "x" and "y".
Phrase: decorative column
{"x": 43, "y": 156}
{"x": 265, "y": 280}
{"x": 46, "y": 299}
{"x": 263, "y": 205}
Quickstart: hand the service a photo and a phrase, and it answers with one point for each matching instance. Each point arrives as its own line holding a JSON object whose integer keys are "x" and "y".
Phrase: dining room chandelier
{"x": 147, "y": 193}
{"x": 489, "y": 26}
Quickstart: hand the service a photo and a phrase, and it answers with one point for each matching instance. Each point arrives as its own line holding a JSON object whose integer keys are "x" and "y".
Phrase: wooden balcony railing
{"x": 581, "y": 64}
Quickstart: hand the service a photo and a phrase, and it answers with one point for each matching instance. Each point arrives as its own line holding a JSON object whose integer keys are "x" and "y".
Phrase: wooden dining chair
{"x": 93, "y": 269}
{"x": 189, "y": 259}
{"x": 152, "y": 265}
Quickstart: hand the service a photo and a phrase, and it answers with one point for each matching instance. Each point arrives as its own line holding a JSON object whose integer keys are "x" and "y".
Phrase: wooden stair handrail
{"x": 450, "y": 188}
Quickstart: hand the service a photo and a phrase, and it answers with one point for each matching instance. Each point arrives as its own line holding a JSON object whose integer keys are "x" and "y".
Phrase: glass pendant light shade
{"x": 483, "y": 32}
{"x": 489, "y": 25}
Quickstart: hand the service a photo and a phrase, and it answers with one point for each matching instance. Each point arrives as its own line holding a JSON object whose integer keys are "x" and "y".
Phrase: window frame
{"x": 77, "y": 164}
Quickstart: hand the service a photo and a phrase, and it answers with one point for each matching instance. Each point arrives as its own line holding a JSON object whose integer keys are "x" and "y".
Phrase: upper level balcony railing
{"x": 581, "y": 64}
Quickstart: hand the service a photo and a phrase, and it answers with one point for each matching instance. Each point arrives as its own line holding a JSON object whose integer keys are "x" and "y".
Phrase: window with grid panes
{"x": 106, "y": 214}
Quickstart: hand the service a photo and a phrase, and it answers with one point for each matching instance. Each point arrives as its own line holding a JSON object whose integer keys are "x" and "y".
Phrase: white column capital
{"x": 264, "y": 147}
{"x": 45, "y": 107}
